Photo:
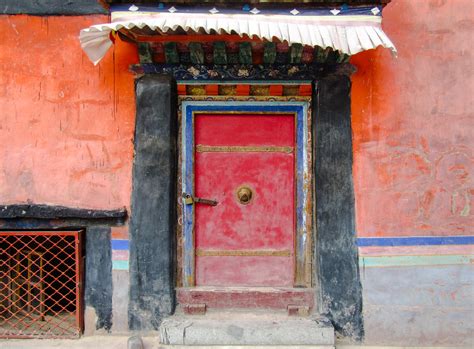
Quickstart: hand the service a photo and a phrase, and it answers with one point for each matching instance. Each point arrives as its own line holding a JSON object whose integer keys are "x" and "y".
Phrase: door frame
{"x": 303, "y": 177}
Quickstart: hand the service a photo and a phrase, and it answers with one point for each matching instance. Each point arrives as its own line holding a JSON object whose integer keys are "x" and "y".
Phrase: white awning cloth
{"x": 349, "y": 32}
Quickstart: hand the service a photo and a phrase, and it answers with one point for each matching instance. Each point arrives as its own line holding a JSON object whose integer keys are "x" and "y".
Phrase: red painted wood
{"x": 212, "y": 90}
{"x": 306, "y": 90}
{"x": 295, "y": 310}
{"x": 212, "y": 129}
{"x": 243, "y": 90}
{"x": 194, "y": 309}
{"x": 276, "y": 90}
{"x": 181, "y": 89}
{"x": 267, "y": 222}
{"x": 266, "y": 298}
{"x": 244, "y": 271}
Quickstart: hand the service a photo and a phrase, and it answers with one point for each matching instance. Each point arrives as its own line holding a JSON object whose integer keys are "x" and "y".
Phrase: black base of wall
{"x": 98, "y": 286}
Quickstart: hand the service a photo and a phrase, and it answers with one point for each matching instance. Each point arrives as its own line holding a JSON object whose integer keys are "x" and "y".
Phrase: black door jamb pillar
{"x": 337, "y": 271}
{"x": 153, "y": 204}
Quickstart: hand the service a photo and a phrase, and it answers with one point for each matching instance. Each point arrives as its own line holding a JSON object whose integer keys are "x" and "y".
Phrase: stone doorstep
{"x": 245, "y": 347}
{"x": 150, "y": 341}
{"x": 246, "y": 329}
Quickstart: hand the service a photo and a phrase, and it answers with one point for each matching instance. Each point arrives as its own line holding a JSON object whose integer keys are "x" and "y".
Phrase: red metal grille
{"x": 40, "y": 280}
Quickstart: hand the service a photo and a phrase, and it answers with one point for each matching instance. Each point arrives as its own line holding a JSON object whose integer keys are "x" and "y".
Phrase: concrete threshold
{"x": 245, "y": 346}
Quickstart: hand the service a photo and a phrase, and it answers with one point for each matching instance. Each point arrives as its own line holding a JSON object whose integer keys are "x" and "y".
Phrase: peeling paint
{"x": 60, "y": 116}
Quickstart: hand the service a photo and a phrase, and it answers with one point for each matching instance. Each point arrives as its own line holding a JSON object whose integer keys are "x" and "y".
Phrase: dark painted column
{"x": 335, "y": 247}
{"x": 98, "y": 270}
{"x": 153, "y": 216}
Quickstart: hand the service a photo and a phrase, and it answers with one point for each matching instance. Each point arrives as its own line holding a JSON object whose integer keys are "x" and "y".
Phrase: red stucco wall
{"x": 66, "y": 127}
{"x": 413, "y": 123}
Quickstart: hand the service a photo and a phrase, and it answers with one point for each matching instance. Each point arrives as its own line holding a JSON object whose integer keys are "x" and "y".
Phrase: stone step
{"x": 246, "y": 329}
{"x": 245, "y": 347}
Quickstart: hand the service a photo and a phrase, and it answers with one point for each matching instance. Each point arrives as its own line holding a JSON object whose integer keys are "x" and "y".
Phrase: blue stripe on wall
{"x": 362, "y": 242}
{"x": 120, "y": 245}
{"x": 416, "y": 241}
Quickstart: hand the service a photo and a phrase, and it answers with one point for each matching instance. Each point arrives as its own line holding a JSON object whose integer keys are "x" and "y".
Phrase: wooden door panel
{"x": 245, "y": 244}
{"x": 244, "y": 271}
{"x": 244, "y": 129}
{"x": 267, "y": 222}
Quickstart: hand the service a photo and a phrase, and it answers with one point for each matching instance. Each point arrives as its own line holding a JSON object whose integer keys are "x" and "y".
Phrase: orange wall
{"x": 413, "y": 123}
{"x": 66, "y": 127}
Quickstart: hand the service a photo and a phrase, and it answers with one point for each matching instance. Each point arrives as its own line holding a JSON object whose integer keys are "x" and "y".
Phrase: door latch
{"x": 189, "y": 200}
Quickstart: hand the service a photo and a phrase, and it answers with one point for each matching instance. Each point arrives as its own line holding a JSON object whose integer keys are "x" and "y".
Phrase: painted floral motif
{"x": 193, "y": 71}
{"x": 242, "y": 72}
{"x": 212, "y": 73}
{"x": 273, "y": 73}
{"x": 293, "y": 70}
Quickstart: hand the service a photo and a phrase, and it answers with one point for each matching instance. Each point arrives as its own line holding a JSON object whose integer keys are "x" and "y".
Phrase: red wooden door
{"x": 242, "y": 243}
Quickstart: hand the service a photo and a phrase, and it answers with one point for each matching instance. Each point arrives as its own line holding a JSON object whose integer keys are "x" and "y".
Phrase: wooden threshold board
{"x": 246, "y": 297}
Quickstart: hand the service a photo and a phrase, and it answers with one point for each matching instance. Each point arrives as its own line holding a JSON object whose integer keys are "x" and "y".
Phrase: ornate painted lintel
{"x": 239, "y": 72}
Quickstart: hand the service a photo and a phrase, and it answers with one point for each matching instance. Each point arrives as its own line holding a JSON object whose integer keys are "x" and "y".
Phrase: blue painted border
{"x": 302, "y": 169}
{"x": 416, "y": 241}
{"x": 122, "y": 245}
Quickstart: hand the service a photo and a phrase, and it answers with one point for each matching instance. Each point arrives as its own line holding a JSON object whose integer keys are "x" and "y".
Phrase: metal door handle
{"x": 189, "y": 200}
{"x": 244, "y": 194}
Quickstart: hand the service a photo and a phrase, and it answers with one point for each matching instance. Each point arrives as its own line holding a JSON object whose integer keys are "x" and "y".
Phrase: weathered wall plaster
{"x": 66, "y": 126}
{"x": 414, "y": 306}
{"x": 412, "y": 122}
{"x": 66, "y": 132}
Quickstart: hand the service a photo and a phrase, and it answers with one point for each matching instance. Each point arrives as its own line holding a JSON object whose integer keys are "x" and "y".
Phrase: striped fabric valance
{"x": 348, "y": 30}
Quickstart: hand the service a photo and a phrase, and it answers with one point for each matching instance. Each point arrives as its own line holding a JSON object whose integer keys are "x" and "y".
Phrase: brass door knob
{"x": 244, "y": 194}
